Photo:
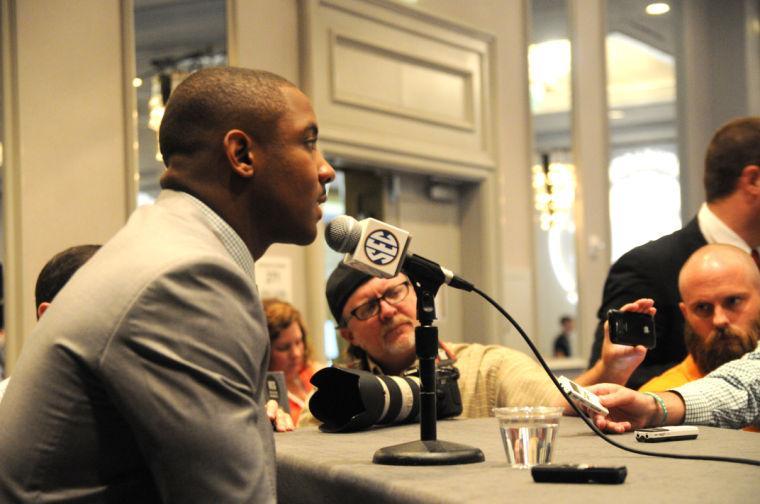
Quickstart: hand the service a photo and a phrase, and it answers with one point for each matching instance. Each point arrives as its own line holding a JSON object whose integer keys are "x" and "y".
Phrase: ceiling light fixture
{"x": 554, "y": 192}
{"x": 657, "y": 8}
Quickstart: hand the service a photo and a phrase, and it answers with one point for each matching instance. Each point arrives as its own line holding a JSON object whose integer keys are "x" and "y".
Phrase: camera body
{"x": 632, "y": 328}
{"x": 448, "y": 399}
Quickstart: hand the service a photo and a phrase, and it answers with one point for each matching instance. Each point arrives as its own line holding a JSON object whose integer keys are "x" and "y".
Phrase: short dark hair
{"x": 212, "y": 101}
{"x": 59, "y": 270}
{"x": 734, "y": 146}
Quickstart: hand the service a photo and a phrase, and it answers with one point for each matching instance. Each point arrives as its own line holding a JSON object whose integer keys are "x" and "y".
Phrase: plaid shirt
{"x": 727, "y": 397}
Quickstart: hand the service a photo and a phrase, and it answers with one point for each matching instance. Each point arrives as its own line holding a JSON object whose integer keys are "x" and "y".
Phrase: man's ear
{"x": 42, "y": 308}
{"x": 751, "y": 178}
{"x": 346, "y": 334}
{"x": 682, "y": 306}
{"x": 238, "y": 146}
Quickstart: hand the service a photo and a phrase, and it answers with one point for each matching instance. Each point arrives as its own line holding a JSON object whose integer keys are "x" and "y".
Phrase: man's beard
{"x": 722, "y": 345}
{"x": 401, "y": 346}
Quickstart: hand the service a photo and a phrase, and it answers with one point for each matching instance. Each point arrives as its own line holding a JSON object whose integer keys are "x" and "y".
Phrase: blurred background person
{"x": 562, "y": 341}
{"x": 291, "y": 352}
{"x": 52, "y": 278}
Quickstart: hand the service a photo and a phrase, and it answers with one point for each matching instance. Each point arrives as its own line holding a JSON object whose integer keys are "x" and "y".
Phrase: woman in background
{"x": 290, "y": 352}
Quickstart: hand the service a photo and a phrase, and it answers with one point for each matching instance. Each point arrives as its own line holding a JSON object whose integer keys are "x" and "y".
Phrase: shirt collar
{"x": 716, "y": 231}
{"x": 229, "y": 238}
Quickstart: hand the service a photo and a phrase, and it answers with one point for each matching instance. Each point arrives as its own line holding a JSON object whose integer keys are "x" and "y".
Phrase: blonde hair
{"x": 280, "y": 314}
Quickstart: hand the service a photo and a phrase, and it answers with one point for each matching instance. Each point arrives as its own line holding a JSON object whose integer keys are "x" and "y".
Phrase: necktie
{"x": 756, "y": 257}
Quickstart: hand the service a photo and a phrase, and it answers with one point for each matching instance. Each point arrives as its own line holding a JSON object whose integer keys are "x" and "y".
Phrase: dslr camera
{"x": 349, "y": 400}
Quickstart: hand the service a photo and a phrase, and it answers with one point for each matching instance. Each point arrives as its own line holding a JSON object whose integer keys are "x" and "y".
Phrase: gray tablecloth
{"x": 317, "y": 467}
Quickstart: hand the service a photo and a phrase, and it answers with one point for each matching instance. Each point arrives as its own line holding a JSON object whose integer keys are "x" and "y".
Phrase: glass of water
{"x": 529, "y": 434}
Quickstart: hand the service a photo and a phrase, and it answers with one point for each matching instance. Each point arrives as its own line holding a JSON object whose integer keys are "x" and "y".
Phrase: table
{"x": 317, "y": 467}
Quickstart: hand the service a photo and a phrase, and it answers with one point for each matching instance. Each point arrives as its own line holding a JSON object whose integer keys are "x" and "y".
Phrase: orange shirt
{"x": 296, "y": 403}
{"x": 676, "y": 376}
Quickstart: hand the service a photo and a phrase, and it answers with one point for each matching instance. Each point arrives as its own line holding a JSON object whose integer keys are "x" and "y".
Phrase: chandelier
{"x": 554, "y": 193}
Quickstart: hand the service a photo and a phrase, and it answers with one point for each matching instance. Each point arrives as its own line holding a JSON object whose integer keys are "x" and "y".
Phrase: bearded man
{"x": 720, "y": 291}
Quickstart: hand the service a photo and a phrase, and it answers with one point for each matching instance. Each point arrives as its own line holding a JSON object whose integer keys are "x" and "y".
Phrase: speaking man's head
{"x": 720, "y": 292}
{"x": 376, "y": 316}
{"x": 244, "y": 142}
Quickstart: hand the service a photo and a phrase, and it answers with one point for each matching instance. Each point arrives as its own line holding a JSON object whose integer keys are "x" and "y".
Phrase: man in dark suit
{"x": 145, "y": 381}
{"x": 730, "y": 215}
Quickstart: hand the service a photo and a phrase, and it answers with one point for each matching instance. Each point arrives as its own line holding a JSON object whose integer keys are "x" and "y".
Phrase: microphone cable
{"x": 585, "y": 418}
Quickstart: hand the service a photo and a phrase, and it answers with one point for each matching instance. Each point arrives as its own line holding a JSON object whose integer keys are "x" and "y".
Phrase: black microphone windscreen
{"x": 342, "y": 234}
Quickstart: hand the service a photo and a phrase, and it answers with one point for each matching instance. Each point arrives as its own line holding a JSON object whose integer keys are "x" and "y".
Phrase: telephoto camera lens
{"x": 350, "y": 399}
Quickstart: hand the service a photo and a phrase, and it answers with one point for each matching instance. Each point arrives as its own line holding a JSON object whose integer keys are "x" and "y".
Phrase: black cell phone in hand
{"x": 632, "y": 328}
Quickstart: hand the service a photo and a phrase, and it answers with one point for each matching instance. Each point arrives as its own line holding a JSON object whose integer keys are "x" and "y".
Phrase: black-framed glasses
{"x": 392, "y": 295}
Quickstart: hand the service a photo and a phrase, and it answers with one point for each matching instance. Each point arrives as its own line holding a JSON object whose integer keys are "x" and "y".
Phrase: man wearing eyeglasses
{"x": 378, "y": 316}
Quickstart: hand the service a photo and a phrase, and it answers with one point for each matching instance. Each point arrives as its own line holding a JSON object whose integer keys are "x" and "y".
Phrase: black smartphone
{"x": 631, "y": 328}
{"x": 578, "y": 473}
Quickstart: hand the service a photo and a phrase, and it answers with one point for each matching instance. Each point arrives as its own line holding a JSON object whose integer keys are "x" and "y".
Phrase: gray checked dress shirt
{"x": 727, "y": 397}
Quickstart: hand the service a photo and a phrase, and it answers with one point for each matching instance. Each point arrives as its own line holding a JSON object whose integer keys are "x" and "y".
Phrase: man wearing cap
{"x": 378, "y": 316}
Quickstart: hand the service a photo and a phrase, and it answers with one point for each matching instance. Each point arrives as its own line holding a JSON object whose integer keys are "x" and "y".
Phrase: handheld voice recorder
{"x": 582, "y": 395}
{"x": 672, "y": 433}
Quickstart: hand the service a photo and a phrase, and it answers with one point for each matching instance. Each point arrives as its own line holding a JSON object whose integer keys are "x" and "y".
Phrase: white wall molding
{"x": 398, "y": 84}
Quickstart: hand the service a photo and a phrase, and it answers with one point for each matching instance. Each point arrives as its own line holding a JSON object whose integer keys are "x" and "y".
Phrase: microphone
{"x": 379, "y": 249}
{"x": 371, "y": 246}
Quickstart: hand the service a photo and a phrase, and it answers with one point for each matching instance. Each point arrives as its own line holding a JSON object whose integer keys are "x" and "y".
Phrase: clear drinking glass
{"x": 529, "y": 434}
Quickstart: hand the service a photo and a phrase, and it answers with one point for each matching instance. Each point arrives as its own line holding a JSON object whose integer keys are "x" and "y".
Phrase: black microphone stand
{"x": 427, "y": 278}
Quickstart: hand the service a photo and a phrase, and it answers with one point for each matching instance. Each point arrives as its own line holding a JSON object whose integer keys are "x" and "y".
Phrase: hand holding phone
{"x": 582, "y": 395}
{"x": 631, "y": 328}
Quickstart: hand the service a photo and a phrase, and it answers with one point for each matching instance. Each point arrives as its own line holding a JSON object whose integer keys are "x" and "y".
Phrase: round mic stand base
{"x": 423, "y": 453}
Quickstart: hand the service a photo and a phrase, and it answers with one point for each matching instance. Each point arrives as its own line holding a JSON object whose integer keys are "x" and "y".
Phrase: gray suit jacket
{"x": 145, "y": 379}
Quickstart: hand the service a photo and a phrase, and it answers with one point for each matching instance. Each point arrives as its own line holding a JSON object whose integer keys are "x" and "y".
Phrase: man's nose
{"x": 387, "y": 310}
{"x": 720, "y": 317}
{"x": 325, "y": 171}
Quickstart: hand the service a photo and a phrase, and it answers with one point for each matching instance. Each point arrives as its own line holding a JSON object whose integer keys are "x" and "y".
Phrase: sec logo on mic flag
{"x": 381, "y": 247}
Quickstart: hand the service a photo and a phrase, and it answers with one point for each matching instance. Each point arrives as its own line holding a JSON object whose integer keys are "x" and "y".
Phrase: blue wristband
{"x": 661, "y": 403}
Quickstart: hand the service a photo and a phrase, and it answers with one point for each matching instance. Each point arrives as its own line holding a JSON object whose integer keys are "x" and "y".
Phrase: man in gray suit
{"x": 145, "y": 380}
